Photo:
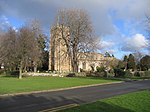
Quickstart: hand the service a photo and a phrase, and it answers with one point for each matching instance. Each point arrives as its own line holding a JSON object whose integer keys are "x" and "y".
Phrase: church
{"x": 60, "y": 61}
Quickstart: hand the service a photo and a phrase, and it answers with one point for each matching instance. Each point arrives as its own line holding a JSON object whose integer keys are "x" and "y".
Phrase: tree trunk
{"x": 35, "y": 68}
{"x": 20, "y": 70}
{"x": 74, "y": 66}
{"x": 74, "y": 61}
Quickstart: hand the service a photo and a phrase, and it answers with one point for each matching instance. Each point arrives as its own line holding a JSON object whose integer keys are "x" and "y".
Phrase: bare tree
{"x": 30, "y": 48}
{"x": 8, "y": 49}
{"x": 138, "y": 56}
{"x": 81, "y": 36}
{"x": 25, "y": 48}
{"x": 40, "y": 41}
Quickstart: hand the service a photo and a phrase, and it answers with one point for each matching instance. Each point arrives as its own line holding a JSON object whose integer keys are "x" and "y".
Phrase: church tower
{"x": 58, "y": 57}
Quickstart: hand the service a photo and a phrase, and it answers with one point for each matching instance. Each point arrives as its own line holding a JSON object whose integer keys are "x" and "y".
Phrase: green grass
{"x": 132, "y": 102}
{"x": 139, "y": 78}
{"x": 28, "y": 84}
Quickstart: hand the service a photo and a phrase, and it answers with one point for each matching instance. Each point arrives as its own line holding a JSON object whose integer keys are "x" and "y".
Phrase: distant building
{"x": 60, "y": 61}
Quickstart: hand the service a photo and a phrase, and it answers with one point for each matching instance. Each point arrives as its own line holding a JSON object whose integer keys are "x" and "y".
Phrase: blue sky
{"x": 120, "y": 24}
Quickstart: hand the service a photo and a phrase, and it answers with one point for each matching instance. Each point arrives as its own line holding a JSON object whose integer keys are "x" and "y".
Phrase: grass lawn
{"x": 139, "y": 78}
{"x": 132, "y": 102}
{"x": 15, "y": 85}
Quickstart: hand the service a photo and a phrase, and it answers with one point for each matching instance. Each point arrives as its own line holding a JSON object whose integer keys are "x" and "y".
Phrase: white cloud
{"x": 4, "y": 23}
{"x": 102, "y": 13}
{"x": 99, "y": 10}
{"x": 135, "y": 43}
{"x": 106, "y": 44}
{"x": 112, "y": 51}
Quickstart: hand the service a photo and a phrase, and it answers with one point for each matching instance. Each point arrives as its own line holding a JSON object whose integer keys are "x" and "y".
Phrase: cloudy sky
{"x": 121, "y": 24}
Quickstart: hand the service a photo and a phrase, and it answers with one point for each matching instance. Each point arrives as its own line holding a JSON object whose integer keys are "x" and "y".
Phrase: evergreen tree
{"x": 145, "y": 62}
{"x": 121, "y": 65}
{"x": 131, "y": 62}
{"x": 125, "y": 61}
{"x": 125, "y": 58}
{"x": 107, "y": 54}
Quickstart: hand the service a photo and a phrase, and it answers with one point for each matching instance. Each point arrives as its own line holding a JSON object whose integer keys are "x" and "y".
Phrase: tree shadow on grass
{"x": 112, "y": 108}
{"x": 98, "y": 107}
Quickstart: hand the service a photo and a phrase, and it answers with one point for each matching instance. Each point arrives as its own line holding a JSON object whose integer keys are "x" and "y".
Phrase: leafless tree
{"x": 30, "y": 47}
{"x": 8, "y": 49}
{"x": 22, "y": 49}
{"x": 138, "y": 56}
{"x": 81, "y": 36}
{"x": 41, "y": 40}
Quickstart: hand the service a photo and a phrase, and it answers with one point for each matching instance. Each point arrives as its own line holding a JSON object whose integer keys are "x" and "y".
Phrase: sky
{"x": 120, "y": 24}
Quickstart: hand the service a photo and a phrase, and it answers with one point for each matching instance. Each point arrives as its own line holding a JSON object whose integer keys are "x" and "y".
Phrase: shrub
{"x": 71, "y": 75}
{"x": 147, "y": 73}
{"x": 14, "y": 73}
{"x": 142, "y": 74}
{"x": 101, "y": 74}
{"x": 128, "y": 74}
{"x": 2, "y": 71}
{"x": 100, "y": 69}
{"x": 137, "y": 74}
{"x": 119, "y": 72}
{"x": 90, "y": 74}
{"x": 111, "y": 71}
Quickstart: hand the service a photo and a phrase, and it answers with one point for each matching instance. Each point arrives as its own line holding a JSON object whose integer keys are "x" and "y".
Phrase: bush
{"x": 128, "y": 74}
{"x": 2, "y": 72}
{"x": 147, "y": 73}
{"x": 90, "y": 74}
{"x": 119, "y": 72}
{"x": 101, "y": 74}
{"x": 111, "y": 71}
{"x": 100, "y": 69}
{"x": 71, "y": 75}
{"x": 13, "y": 73}
{"x": 137, "y": 74}
{"x": 142, "y": 74}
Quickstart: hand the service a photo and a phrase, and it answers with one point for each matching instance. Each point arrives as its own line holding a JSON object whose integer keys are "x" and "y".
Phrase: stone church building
{"x": 60, "y": 61}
